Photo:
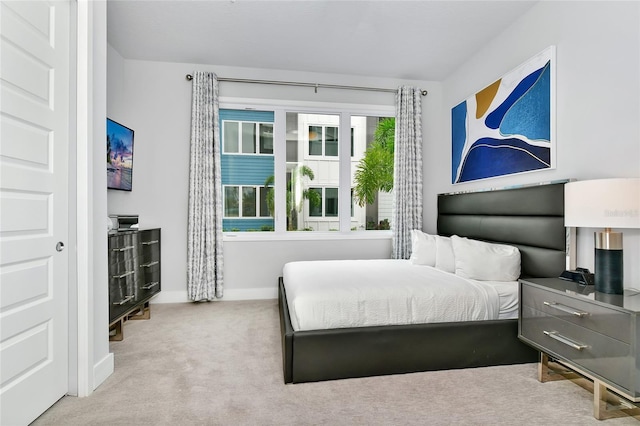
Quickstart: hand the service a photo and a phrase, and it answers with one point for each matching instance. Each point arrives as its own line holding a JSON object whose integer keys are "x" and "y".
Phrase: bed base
{"x": 317, "y": 355}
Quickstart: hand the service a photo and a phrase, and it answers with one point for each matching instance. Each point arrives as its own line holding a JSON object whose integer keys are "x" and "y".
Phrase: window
{"x": 331, "y": 203}
{"x": 352, "y": 141}
{"x": 323, "y": 141}
{"x": 321, "y": 180}
{"x": 315, "y": 209}
{"x": 241, "y": 137}
{"x": 328, "y": 205}
{"x": 249, "y": 201}
{"x": 253, "y": 202}
{"x": 313, "y": 171}
{"x": 246, "y": 202}
{"x": 315, "y": 140}
{"x": 247, "y": 169}
{"x": 231, "y": 201}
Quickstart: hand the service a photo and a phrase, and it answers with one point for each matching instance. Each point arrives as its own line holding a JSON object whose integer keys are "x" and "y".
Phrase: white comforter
{"x": 356, "y": 293}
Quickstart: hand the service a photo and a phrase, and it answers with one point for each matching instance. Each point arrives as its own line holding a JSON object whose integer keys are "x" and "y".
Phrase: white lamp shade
{"x": 602, "y": 203}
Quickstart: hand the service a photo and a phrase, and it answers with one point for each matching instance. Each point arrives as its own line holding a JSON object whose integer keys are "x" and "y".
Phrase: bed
{"x": 530, "y": 218}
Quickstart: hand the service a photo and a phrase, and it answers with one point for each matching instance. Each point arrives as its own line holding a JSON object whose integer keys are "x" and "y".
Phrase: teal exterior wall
{"x": 243, "y": 169}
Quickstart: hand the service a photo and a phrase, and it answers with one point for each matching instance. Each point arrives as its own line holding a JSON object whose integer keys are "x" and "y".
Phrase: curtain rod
{"x": 316, "y": 86}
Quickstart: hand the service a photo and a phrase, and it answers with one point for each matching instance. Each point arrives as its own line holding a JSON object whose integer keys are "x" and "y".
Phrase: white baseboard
{"x": 103, "y": 369}
{"x": 170, "y": 297}
{"x": 229, "y": 294}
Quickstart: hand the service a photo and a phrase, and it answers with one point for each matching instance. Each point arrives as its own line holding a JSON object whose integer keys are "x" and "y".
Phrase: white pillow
{"x": 445, "y": 260}
{"x": 423, "y": 248}
{"x": 483, "y": 261}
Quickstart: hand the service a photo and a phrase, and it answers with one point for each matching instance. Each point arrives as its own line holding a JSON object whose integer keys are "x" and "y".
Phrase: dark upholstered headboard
{"x": 529, "y": 217}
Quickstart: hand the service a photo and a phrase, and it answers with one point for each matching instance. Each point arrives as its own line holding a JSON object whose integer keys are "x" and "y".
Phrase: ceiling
{"x": 414, "y": 40}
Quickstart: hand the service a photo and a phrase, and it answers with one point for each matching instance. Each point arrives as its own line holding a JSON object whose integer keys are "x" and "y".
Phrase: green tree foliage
{"x": 293, "y": 206}
{"x": 108, "y": 149}
{"x": 374, "y": 172}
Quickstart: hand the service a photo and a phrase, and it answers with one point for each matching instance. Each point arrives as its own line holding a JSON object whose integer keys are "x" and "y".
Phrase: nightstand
{"x": 593, "y": 334}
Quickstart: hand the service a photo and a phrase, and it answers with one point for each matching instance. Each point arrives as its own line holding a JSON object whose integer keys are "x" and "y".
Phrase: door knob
{"x": 60, "y": 246}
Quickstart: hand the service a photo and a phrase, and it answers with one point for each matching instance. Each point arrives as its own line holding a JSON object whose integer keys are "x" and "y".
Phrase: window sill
{"x": 306, "y": 236}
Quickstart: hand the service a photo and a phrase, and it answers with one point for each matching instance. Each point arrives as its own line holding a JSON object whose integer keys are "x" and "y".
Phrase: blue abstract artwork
{"x": 507, "y": 127}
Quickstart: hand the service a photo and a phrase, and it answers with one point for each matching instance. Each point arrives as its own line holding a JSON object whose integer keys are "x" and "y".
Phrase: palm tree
{"x": 293, "y": 205}
{"x": 108, "y": 149}
{"x": 374, "y": 172}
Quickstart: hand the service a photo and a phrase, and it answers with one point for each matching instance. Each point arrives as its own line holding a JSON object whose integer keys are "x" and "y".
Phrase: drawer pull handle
{"x": 148, "y": 243}
{"x": 560, "y": 338}
{"x": 124, "y": 248}
{"x": 150, "y": 264}
{"x": 126, "y": 274}
{"x": 150, "y": 285}
{"x": 566, "y": 309}
{"x": 123, "y": 301}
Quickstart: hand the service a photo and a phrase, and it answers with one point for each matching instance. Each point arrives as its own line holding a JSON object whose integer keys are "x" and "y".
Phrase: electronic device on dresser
{"x": 592, "y": 333}
{"x": 580, "y": 275}
{"x": 134, "y": 276}
{"x": 122, "y": 222}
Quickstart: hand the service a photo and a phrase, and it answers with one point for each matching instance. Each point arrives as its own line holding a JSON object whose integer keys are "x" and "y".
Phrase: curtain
{"x": 407, "y": 171}
{"x": 204, "y": 233}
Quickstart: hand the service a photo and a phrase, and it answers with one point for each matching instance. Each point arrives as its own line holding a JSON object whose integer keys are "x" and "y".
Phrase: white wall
{"x": 103, "y": 362}
{"x": 598, "y": 95}
{"x": 154, "y": 99}
{"x": 90, "y": 362}
{"x": 598, "y": 133}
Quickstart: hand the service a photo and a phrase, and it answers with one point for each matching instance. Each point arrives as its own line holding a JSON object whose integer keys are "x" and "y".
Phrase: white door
{"x": 34, "y": 144}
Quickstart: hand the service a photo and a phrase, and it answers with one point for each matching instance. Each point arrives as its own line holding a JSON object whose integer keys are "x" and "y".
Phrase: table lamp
{"x": 604, "y": 203}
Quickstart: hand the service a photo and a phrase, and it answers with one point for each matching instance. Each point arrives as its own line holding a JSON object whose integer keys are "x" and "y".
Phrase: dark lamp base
{"x": 609, "y": 271}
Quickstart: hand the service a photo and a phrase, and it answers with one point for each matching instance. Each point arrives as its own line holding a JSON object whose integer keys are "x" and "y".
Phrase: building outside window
{"x": 316, "y": 169}
{"x": 247, "y": 161}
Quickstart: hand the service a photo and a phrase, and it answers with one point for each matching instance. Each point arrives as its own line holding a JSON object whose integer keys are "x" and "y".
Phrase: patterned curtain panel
{"x": 407, "y": 205}
{"x": 204, "y": 240}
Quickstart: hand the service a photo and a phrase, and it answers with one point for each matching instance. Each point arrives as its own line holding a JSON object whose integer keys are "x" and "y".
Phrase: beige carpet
{"x": 220, "y": 364}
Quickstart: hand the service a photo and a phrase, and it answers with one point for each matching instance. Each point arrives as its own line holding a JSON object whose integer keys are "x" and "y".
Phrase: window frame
{"x": 257, "y": 145}
{"x": 258, "y": 204}
{"x": 323, "y": 143}
{"x": 323, "y": 202}
{"x": 280, "y": 108}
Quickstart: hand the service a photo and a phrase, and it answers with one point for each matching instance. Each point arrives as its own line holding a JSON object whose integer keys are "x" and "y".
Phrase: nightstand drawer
{"x": 602, "y": 355}
{"x": 595, "y": 317}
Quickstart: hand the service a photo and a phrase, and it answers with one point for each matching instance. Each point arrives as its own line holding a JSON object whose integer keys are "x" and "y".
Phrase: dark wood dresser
{"x": 134, "y": 276}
